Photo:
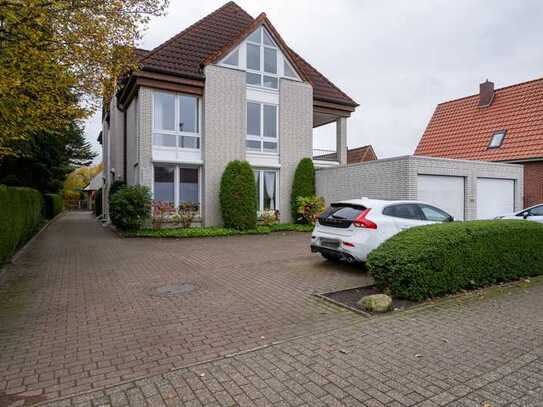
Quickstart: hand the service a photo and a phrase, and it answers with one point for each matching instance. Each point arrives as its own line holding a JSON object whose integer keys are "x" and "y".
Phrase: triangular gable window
{"x": 232, "y": 59}
{"x": 268, "y": 39}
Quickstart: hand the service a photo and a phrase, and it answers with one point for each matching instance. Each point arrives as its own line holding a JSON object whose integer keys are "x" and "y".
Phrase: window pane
{"x": 270, "y": 60}
{"x": 537, "y": 211}
{"x": 188, "y": 186}
{"x": 270, "y": 82}
{"x": 253, "y": 119}
{"x": 288, "y": 70}
{"x": 253, "y": 79}
{"x": 255, "y": 37}
{"x": 270, "y": 121}
{"x": 188, "y": 114}
{"x": 163, "y": 185}
{"x": 189, "y": 142}
{"x": 253, "y": 57}
{"x": 270, "y": 147}
{"x": 269, "y": 190}
{"x": 253, "y": 145}
{"x": 233, "y": 59}
{"x": 164, "y": 140}
{"x": 164, "y": 111}
{"x": 433, "y": 214}
{"x": 268, "y": 39}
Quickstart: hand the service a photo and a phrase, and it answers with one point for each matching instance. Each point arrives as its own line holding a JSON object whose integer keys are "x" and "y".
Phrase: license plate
{"x": 330, "y": 243}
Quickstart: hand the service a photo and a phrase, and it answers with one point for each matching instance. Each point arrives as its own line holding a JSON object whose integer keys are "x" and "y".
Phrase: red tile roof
{"x": 354, "y": 155}
{"x": 185, "y": 53}
{"x": 461, "y": 129}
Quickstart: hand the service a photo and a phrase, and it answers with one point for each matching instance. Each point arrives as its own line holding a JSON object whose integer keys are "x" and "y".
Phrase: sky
{"x": 397, "y": 59}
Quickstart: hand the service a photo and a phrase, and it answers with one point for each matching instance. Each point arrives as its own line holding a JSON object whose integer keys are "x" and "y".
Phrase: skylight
{"x": 497, "y": 139}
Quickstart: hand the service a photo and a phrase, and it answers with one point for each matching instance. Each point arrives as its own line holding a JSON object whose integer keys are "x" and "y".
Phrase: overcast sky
{"x": 397, "y": 59}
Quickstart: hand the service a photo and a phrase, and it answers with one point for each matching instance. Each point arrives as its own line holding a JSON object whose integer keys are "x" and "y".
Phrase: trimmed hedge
{"x": 20, "y": 217}
{"x": 238, "y": 196}
{"x": 303, "y": 184}
{"x": 434, "y": 260}
{"x": 130, "y": 207}
{"x": 53, "y": 205}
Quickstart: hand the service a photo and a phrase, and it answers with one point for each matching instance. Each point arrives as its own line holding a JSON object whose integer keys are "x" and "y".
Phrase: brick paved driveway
{"x": 88, "y": 314}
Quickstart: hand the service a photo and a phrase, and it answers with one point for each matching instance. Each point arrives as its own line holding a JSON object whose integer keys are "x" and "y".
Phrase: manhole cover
{"x": 171, "y": 290}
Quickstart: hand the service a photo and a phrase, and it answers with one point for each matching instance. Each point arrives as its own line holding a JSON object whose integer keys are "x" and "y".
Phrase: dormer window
{"x": 262, "y": 60}
{"x": 497, "y": 139}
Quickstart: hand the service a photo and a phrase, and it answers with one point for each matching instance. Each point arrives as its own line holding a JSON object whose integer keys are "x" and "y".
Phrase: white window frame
{"x": 495, "y": 135}
{"x": 177, "y": 133}
{"x": 176, "y": 182}
{"x": 261, "y": 72}
{"x": 261, "y": 138}
{"x": 260, "y": 173}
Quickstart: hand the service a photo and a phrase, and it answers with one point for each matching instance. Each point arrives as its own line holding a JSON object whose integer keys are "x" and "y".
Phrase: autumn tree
{"x": 59, "y": 58}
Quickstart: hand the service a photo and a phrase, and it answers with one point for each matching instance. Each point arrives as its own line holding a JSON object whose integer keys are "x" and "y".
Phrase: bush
{"x": 238, "y": 196}
{"x": 130, "y": 207}
{"x": 98, "y": 203}
{"x": 309, "y": 208}
{"x": 269, "y": 217}
{"x": 53, "y": 205}
{"x": 20, "y": 217}
{"x": 434, "y": 260}
{"x": 303, "y": 184}
{"x": 114, "y": 187}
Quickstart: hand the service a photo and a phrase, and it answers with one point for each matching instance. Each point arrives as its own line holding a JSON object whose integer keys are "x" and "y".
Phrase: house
{"x": 354, "y": 155}
{"x": 500, "y": 125}
{"x": 226, "y": 88}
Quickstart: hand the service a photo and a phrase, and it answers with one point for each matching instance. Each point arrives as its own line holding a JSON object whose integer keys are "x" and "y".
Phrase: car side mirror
{"x": 450, "y": 218}
{"x": 525, "y": 215}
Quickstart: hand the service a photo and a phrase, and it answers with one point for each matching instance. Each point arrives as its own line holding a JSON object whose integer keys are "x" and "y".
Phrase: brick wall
{"x": 533, "y": 183}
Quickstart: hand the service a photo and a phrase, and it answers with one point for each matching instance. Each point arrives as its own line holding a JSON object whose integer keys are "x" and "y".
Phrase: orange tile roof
{"x": 461, "y": 129}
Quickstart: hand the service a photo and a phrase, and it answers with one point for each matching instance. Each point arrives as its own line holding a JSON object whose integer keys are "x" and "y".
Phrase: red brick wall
{"x": 533, "y": 183}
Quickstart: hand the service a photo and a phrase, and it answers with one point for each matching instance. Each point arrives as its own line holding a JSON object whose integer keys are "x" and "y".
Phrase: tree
{"x": 79, "y": 178}
{"x": 44, "y": 159}
{"x": 56, "y": 53}
{"x": 238, "y": 196}
{"x": 303, "y": 184}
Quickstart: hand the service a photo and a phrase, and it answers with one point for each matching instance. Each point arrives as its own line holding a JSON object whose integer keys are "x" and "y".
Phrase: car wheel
{"x": 331, "y": 257}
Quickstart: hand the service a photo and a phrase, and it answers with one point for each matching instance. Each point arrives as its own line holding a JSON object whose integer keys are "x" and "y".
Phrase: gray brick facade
{"x": 223, "y": 138}
{"x": 396, "y": 178}
{"x": 295, "y": 136}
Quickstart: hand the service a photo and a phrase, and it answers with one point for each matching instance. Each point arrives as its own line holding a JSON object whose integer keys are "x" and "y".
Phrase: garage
{"x": 445, "y": 192}
{"x": 495, "y": 197}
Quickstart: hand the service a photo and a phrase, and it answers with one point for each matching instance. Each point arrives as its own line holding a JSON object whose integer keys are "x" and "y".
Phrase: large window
{"x": 261, "y": 127}
{"x": 266, "y": 190}
{"x": 262, "y": 60}
{"x": 176, "y": 184}
{"x": 175, "y": 120}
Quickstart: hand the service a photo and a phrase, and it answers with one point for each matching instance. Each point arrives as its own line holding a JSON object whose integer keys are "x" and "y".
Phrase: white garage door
{"x": 444, "y": 192}
{"x": 495, "y": 197}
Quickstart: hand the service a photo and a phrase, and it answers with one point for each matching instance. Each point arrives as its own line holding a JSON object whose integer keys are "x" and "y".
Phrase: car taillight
{"x": 362, "y": 222}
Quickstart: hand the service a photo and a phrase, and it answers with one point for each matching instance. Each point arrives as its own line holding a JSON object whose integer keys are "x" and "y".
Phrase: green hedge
{"x": 130, "y": 207}
{"x": 435, "y": 260}
{"x": 53, "y": 205}
{"x": 238, "y": 196}
{"x": 303, "y": 184}
{"x": 20, "y": 217}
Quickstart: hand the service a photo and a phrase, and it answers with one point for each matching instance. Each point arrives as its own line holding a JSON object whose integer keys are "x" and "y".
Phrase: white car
{"x": 350, "y": 230}
{"x": 534, "y": 213}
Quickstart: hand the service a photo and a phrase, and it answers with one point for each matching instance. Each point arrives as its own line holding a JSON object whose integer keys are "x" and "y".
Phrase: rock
{"x": 376, "y": 303}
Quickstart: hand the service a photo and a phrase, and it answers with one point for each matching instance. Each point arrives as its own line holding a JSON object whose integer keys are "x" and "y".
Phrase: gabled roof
{"x": 354, "y": 155}
{"x": 461, "y": 129}
{"x": 202, "y": 43}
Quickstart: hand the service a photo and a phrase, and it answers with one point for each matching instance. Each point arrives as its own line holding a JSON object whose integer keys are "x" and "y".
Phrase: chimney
{"x": 486, "y": 93}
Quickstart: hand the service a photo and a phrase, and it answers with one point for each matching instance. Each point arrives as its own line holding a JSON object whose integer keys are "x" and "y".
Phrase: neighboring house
{"x": 226, "y": 88}
{"x": 354, "y": 155}
{"x": 503, "y": 125}
{"x": 95, "y": 184}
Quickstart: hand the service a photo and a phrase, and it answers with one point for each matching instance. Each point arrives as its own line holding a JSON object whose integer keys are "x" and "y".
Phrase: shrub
{"x": 130, "y": 207}
{"x": 309, "y": 208}
{"x": 20, "y": 217}
{"x": 114, "y": 187}
{"x": 11, "y": 181}
{"x": 303, "y": 184}
{"x": 238, "y": 196}
{"x": 434, "y": 260}
{"x": 53, "y": 205}
{"x": 98, "y": 203}
{"x": 269, "y": 217}
{"x": 185, "y": 214}
{"x": 160, "y": 211}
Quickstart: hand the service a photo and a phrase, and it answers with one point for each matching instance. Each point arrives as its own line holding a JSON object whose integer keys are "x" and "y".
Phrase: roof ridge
{"x": 190, "y": 27}
{"x": 495, "y": 90}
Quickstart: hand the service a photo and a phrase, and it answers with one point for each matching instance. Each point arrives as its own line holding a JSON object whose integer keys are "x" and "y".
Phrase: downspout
{"x": 125, "y": 142}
